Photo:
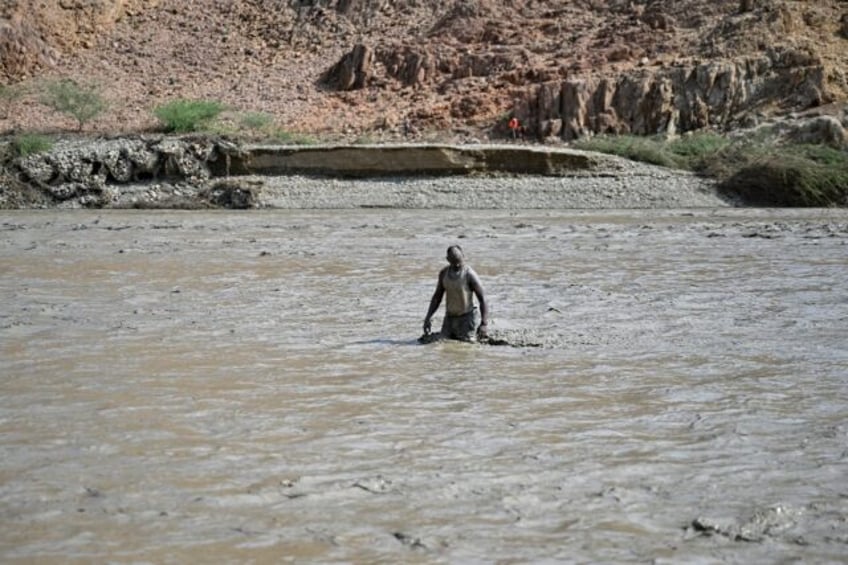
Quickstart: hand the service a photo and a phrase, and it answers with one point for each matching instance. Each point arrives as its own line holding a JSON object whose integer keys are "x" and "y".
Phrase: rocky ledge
{"x": 202, "y": 171}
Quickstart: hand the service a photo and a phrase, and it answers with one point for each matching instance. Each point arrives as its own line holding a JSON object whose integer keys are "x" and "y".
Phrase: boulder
{"x": 231, "y": 194}
{"x": 352, "y": 71}
{"x": 825, "y": 130}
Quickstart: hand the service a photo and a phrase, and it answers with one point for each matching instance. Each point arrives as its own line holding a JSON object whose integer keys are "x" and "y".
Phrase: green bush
{"x": 696, "y": 150}
{"x": 791, "y": 175}
{"x": 28, "y": 144}
{"x": 823, "y": 154}
{"x": 83, "y": 103}
{"x": 181, "y": 116}
{"x": 644, "y": 149}
{"x": 690, "y": 152}
{"x": 758, "y": 169}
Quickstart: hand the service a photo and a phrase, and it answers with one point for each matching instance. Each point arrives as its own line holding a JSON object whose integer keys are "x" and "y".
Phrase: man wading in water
{"x": 460, "y": 283}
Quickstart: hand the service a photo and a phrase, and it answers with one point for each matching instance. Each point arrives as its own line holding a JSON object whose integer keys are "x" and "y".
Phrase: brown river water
{"x": 247, "y": 387}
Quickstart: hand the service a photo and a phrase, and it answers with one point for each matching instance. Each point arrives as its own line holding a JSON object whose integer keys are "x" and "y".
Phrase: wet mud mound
{"x": 786, "y": 523}
{"x": 502, "y": 338}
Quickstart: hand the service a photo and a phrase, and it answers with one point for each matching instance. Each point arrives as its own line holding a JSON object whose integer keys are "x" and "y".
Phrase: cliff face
{"x": 672, "y": 100}
{"x": 398, "y": 68}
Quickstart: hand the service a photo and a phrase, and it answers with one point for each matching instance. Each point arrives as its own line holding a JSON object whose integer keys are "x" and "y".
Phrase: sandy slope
{"x": 267, "y": 56}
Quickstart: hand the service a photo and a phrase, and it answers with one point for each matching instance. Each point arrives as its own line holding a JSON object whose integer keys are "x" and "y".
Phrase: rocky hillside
{"x": 435, "y": 69}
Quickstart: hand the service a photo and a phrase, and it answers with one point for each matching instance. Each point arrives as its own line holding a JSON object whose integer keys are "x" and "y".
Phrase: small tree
{"x": 183, "y": 116}
{"x": 83, "y": 103}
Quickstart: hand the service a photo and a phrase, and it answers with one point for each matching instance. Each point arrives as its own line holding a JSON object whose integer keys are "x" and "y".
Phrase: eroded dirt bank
{"x": 200, "y": 172}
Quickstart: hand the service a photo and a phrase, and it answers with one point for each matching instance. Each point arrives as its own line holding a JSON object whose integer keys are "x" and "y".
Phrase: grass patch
{"x": 257, "y": 129}
{"x": 256, "y": 121}
{"x": 758, "y": 170}
{"x": 791, "y": 175}
{"x": 691, "y": 152}
{"x": 694, "y": 151}
{"x": 183, "y": 116}
{"x": 30, "y": 144}
{"x": 288, "y": 138}
{"x": 365, "y": 138}
{"x": 643, "y": 149}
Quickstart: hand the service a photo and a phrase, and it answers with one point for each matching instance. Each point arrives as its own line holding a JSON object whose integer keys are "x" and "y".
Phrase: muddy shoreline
{"x": 202, "y": 172}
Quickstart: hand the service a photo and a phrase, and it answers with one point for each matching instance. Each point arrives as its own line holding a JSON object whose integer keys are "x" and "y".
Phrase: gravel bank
{"x": 638, "y": 186}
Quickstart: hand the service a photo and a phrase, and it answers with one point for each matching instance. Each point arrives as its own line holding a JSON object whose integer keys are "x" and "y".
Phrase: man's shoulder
{"x": 472, "y": 277}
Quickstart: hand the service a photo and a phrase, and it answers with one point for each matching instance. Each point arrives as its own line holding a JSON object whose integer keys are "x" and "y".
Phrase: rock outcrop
{"x": 85, "y": 171}
{"x": 673, "y": 100}
{"x": 353, "y": 71}
{"x": 753, "y": 58}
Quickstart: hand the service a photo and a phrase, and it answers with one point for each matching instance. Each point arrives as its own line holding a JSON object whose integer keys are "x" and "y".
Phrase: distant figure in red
{"x": 514, "y": 127}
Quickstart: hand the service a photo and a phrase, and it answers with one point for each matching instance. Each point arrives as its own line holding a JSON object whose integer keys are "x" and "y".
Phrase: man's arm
{"x": 435, "y": 301}
{"x": 477, "y": 288}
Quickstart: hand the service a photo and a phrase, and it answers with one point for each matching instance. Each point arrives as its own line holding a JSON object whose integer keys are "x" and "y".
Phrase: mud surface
{"x": 238, "y": 387}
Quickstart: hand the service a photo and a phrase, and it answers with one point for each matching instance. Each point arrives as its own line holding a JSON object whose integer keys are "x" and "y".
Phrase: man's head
{"x": 455, "y": 256}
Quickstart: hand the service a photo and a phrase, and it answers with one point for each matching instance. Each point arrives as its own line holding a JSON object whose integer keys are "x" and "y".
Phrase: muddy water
{"x": 225, "y": 387}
